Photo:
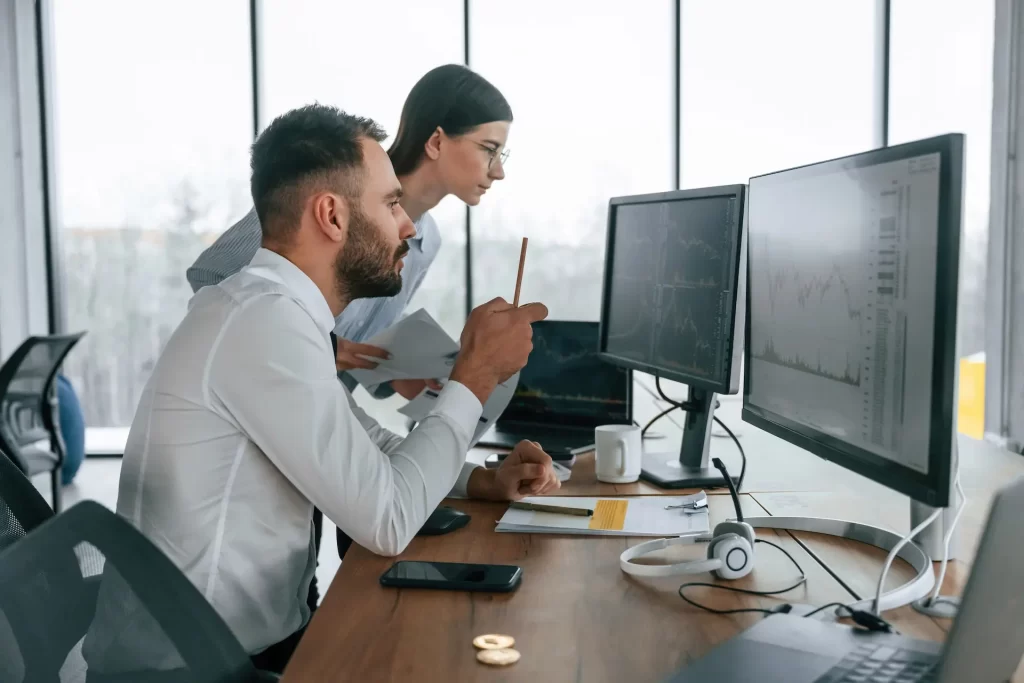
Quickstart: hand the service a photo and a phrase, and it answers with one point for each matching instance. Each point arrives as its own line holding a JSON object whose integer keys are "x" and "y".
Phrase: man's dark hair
{"x": 451, "y": 96}
{"x": 315, "y": 145}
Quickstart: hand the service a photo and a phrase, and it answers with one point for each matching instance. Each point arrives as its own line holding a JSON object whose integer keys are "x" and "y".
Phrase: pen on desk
{"x": 557, "y": 509}
{"x": 519, "y": 278}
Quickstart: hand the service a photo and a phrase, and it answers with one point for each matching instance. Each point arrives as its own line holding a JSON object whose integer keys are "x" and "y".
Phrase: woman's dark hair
{"x": 452, "y": 97}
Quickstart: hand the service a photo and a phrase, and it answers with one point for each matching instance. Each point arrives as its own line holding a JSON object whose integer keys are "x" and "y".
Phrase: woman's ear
{"x": 432, "y": 148}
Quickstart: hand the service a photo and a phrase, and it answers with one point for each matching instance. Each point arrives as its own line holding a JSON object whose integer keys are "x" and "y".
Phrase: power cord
{"x": 946, "y": 542}
{"x": 892, "y": 556}
{"x": 676, "y": 405}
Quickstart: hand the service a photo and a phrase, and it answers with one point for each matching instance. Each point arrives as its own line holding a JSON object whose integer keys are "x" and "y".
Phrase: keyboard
{"x": 883, "y": 664}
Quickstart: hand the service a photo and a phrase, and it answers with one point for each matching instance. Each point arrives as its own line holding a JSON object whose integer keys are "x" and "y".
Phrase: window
{"x": 941, "y": 82}
{"x": 771, "y": 85}
{"x": 593, "y": 104}
{"x": 153, "y": 117}
{"x": 378, "y": 52}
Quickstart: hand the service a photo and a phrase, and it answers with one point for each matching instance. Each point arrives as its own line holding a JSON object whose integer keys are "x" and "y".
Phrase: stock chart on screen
{"x": 842, "y": 292}
{"x": 672, "y": 281}
{"x": 565, "y": 377}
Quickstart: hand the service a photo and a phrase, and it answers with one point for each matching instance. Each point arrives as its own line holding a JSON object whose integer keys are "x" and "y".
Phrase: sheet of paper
{"x": 419, "y": 348}
{"x": 420, "y": 406}
{"x": 621, "y": 516}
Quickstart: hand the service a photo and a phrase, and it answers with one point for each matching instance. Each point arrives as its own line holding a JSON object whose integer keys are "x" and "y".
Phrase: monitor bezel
{"x": 932, "y": 488}
{"x": 729, "y": 384}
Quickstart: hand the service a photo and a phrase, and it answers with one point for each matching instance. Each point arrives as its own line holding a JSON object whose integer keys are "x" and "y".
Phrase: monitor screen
{"x": 844, "y": 277}
{"x": 671, "y": 284}
{"x": 565, "y": 382}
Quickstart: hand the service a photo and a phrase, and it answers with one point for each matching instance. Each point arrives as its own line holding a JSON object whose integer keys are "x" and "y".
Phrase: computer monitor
{"x": 671, "y": 306}
{"x": 851, "y": 311}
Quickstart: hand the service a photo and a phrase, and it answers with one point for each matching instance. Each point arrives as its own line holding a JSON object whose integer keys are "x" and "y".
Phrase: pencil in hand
{"x": 519, "y": 278}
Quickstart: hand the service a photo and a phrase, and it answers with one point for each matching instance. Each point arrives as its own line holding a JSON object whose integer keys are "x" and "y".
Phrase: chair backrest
{"x": 149, "y": 623}
{"x": 22, "y": 508}
{"x": 28, "y": 409}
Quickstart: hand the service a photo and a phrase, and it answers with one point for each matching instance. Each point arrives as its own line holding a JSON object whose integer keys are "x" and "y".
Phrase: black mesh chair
{"x": 151, "y": 625}
{"x": 29, "y": 415}
{"x": 71, "y": 603}
{"x": 22, "y": 509}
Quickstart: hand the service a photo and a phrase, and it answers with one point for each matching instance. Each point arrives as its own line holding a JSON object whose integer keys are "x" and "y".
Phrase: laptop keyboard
{"x": 883, "y": 664}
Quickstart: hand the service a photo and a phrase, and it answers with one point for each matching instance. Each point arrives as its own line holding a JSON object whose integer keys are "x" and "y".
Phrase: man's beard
{"x": 366, "y": 266}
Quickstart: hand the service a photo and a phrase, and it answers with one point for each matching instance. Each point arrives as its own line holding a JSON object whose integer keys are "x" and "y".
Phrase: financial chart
{"x": 842, "y": 284}
{"x": 565, "y": 377}
{"x": 673, "y": 271}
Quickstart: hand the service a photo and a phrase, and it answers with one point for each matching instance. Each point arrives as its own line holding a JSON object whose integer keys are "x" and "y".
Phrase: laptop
{"x": 564, "y": 392}
{"x": 985, "y": 643}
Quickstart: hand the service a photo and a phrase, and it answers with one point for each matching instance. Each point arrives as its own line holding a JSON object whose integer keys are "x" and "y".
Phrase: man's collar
{"x": 273, "y": 266}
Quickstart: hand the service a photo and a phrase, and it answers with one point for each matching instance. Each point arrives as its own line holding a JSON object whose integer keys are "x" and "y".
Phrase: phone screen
{"x": 451, "y": 573}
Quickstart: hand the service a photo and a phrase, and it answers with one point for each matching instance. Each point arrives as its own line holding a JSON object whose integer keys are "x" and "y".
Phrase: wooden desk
{"x": 577, "y": 616}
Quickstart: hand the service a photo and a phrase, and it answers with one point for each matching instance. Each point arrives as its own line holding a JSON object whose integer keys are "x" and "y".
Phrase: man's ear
{"x": 432, "y": 148}
{"x": 332, "y": 212}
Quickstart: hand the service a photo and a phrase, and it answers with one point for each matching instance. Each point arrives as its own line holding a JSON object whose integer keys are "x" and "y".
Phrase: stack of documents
{"x": 421, "y": 349}
{"x": 625, "y": 516}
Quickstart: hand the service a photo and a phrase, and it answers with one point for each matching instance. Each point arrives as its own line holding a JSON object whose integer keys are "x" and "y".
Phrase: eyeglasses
{"x": 493, "y": 154}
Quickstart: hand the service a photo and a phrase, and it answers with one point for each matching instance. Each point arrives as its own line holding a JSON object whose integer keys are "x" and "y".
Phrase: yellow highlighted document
{"x": 609, "y": 515}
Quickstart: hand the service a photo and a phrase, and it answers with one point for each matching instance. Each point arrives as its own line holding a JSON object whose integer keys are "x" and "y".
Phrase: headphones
{"x": 730, "y": 548}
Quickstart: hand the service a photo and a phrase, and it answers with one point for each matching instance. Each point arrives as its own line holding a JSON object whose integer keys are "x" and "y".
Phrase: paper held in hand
{"x": 421, "y": 349}
{"x": 625, "y": 516}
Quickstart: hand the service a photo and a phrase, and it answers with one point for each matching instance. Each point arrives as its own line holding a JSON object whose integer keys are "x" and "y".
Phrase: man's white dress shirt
{"x": 244, "y": 427}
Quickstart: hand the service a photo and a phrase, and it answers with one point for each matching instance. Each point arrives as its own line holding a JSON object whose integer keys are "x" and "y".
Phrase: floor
{"x": 97, "y": 480}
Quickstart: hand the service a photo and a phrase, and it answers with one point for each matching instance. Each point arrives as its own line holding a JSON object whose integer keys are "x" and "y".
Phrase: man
{"x": 243, "y": 427}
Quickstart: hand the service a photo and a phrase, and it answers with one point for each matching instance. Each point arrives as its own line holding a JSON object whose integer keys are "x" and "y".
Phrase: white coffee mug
{"x": 618, "y": 451}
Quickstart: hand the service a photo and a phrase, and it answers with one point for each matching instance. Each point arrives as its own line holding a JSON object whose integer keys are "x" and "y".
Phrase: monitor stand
{"x": 691, "y": 468}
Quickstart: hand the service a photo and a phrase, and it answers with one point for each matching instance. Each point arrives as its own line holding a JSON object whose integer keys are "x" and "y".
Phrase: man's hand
{"x": 349, "y": 352}
{"x": 526, "y": 471}
{"x": 496, "y": 344}
{"x": 411, "y": 388}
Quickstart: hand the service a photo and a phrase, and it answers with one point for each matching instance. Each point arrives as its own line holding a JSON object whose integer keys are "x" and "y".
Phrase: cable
{"x": 892, "y": 556}
{"x": 657, "y": 417}
{"x": 743, "y": 455}
{"x": 745, "y": 591}
{"x": 825, "y": 607}
{"x": 685, "y": 407}
{"x": 949, "y": 537}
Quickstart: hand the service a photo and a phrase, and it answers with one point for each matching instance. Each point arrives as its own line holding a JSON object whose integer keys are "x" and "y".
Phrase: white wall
{"x": 23, "y": 281}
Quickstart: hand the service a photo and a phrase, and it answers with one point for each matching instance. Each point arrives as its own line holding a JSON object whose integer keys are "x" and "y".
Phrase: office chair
{"x": 29, "y": 413}
{"x": 150, "y": 623}
{"x": 22, "y": 509}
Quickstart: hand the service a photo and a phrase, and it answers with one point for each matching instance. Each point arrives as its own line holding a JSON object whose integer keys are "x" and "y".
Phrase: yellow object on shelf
{"x": 971, "y": 401}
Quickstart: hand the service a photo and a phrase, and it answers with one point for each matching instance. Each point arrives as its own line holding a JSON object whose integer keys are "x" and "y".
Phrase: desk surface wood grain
{"x": 576, "y": 616}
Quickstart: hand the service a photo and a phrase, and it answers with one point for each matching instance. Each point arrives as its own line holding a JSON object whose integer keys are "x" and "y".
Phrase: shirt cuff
{"x": 461, "y": 406}
{"x": 462, "y": 483}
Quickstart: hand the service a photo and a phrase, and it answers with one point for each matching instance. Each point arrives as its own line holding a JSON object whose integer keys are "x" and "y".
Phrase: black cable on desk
{"x": 746, "y": 591}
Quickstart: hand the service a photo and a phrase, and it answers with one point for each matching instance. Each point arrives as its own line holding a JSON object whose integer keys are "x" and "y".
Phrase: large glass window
{"x": 153, "y": 116}
{"x": 376, "y": 51}
{"x": 771, "y": 85}
{"x": 590, "y": 85}
{"x": 941, "y": 82}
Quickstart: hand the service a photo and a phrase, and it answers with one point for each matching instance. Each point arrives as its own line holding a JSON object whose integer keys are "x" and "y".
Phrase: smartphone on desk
{"x": 453, "y": 576}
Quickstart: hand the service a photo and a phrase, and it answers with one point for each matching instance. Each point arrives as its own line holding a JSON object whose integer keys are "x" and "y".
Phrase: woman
{"x": 451, "y": 140}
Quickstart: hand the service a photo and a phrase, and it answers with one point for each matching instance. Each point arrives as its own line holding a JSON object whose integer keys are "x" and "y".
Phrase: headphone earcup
{"x": 741, "y": 528}
{"x": 734, "y": 552}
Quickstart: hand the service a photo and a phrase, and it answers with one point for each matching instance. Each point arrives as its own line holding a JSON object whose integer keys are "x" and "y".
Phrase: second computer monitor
{"x": 672, "y": 306}
{"x": 672, "y": 274}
